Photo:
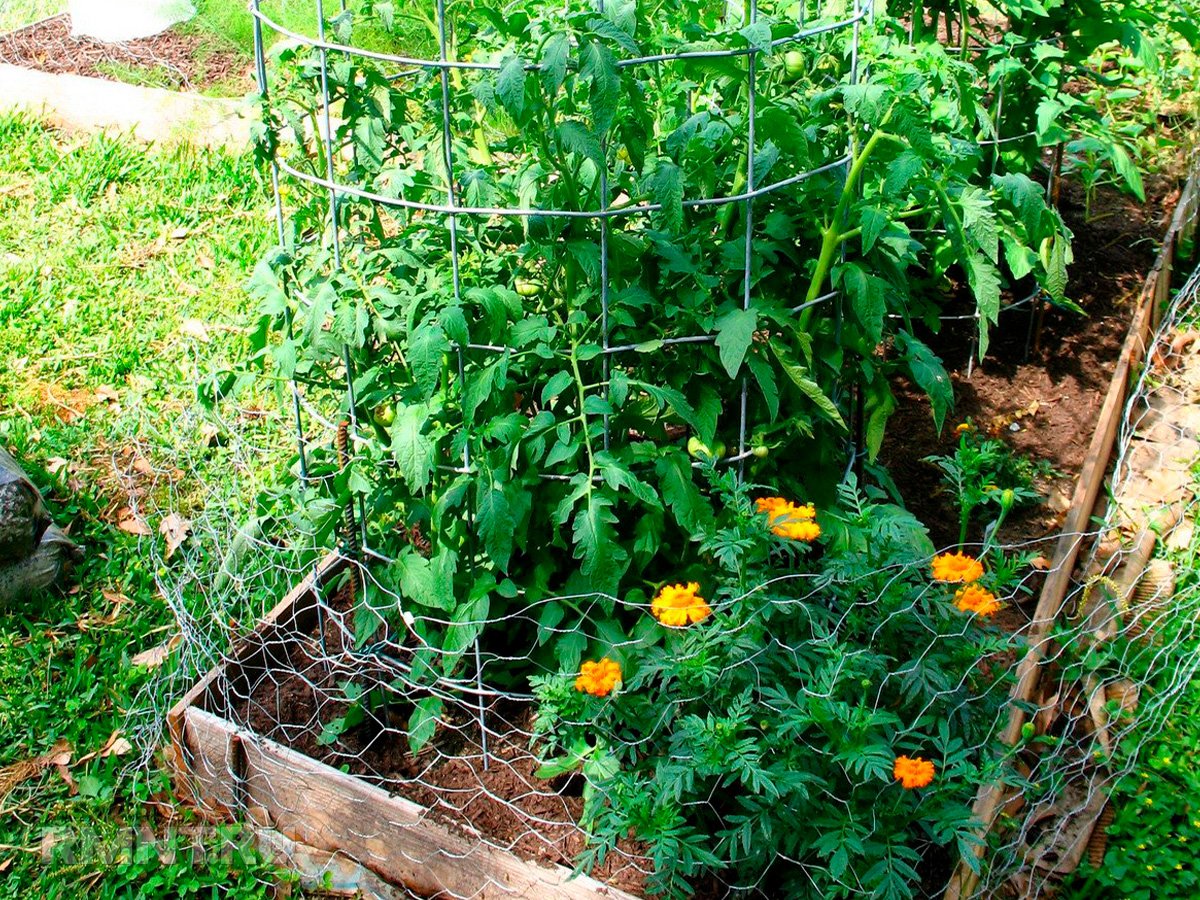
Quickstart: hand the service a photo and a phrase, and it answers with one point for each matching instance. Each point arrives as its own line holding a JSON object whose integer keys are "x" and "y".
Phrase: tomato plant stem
{"x": 832, "y": 235}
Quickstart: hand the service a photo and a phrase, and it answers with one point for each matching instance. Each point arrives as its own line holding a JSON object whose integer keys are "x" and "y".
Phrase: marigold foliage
{"x": 677, "y": 605}
{"x": 913, "y": 771}
{"x": 598, "y": 677}
{"x": 975, "y": 599}
{"x": 956, "y": 568}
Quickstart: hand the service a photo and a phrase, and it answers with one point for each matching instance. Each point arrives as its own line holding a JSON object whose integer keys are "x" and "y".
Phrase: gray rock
{"x": 49, "y": 565}
{"x": 23, "y": 514}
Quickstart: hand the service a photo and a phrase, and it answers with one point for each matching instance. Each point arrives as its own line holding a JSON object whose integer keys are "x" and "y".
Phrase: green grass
{"x": 15, "y": 13}
{"x": 121, "y": 275}
{"x": 230, "y": 23}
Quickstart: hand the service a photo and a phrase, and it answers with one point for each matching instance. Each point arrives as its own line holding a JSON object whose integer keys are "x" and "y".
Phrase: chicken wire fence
{"x": 496, "y": 754}
{"x": 1133, "y": 651}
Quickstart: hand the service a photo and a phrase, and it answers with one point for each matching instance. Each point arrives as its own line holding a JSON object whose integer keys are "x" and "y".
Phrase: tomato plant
{"x": 539, "y": 362}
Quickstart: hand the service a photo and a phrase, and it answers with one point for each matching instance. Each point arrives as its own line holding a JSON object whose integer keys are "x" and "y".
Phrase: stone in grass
{"x": 34, "y": 553}
{"x": 49, "y": 564}
{"x": 23, "y": 513}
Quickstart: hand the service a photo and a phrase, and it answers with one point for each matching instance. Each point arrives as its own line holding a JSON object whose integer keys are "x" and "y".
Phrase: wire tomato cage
{"x": 361, "y": 664}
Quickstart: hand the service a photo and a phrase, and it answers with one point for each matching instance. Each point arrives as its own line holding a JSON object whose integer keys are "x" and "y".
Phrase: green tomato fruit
{"x": 793, "y": 64}
{"x": 527, "y": 288}
{"x": 698, "y": 449}
{"x": 761, "y": 451}
{"x": 384, "y": 415}
{"x": 719, "y": 450}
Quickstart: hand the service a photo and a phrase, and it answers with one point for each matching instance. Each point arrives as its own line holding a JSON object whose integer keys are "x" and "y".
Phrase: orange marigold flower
{"x": 963, "y": 428}
{"x": 678, "y": 604}
{"x": 913, "y": 772}
{"x": 976, "y": 599}
{"x": 788, "y": 520}
{"x": 598, "y": 678}
{"x": 956, "y": 568}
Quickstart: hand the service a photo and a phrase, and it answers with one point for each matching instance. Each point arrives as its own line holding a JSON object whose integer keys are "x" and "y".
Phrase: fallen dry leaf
{"x": 56, "y": 464}
{"x": 179, "y": 234}
{"x": 209, "y": 434}
{"x": 142, "y": 466}
{"x": 106, "y": 394}
{"x": 128, "y": 522}
{"x": 175, "y": 529}
{"x": 116, "y": 745}
{"x": 156, "y": 656}
{"x": 1040, "y": 563}
{"x": 194, "y": 328}
{"x": 90, "y": 620}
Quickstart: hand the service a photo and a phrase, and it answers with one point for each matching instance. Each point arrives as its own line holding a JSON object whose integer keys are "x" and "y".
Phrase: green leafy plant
{"x": 758, "y": 742}
{"x": 984, "y": 471}
{"x": 527, "y": 386}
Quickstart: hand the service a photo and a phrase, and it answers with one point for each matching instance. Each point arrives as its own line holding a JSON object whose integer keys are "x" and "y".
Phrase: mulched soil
{"x": 182, "y": 61}
{"x": 1043, "y": 402}
{"x": 505, "y": 802}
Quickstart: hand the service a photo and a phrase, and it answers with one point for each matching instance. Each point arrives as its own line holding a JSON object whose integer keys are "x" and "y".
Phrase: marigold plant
{"x": 827, "y": 667}
{"x": 677, "y": 605}
{"x": 956, "y": 568}
{"x": 913, "y": 772}
{"x": 598, "y": 677}
{"x": 789, "y": 520}
{"x": 975, "y": 599}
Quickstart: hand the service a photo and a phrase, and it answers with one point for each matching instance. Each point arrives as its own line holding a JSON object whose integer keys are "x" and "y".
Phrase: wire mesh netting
{"x": 500, "y": 767}
{"x": 794, "y": 717}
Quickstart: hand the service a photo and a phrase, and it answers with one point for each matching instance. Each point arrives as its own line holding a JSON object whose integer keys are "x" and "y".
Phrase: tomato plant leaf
{"x": 873, "y": 221}
{"x": 574, "y": 136}
{"x": 613, "y": 32}
{"x": 412, "y": 449}
{"x": 682, "y": 496}
{"x": 597, "y": 65}
{"x": 880, "y": 404}
{"x": 764, "y": 375}
{"x": 666, "y": 187}
{"x": 808, "y": 387}
{"x": 495, "y": 525}
{"x": 555, "y": 54}
{"x": 428, "y": 582}
{"x": 426, "y": 347}
{"x": 510, "y": 86}
{"x": 929, "y": 374}
{"x": 423, "y": 723}
{"x": 867, "y": 298}
{"x": 984, "y": 278}
{"x": 604, "y": 560}
{"x": 735, "y": 334}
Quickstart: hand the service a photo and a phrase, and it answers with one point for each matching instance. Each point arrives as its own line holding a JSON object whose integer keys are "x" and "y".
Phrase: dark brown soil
{"x": 494, "y": 795}
{"x": 1043, "y": 403}
{"x": 176, "y": 60}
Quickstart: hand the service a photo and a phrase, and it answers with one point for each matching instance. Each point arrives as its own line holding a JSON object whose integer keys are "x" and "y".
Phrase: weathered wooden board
{"x": 228, "y": 771}
{"x": 1154, "y": 294}
{"x": 324, "y": 808}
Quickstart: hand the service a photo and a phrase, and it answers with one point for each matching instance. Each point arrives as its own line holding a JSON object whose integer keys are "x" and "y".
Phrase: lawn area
{"x": 15, "y": 13}
{"x": 121, "y": 274}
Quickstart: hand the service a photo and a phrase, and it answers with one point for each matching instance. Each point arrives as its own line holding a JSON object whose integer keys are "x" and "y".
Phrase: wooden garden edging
{"x": 227, "y": 770}
{"x": 1147, "y": 313}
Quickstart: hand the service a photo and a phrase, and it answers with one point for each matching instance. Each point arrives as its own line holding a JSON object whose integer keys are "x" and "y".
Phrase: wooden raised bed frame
{"x": 226, "y": 770}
